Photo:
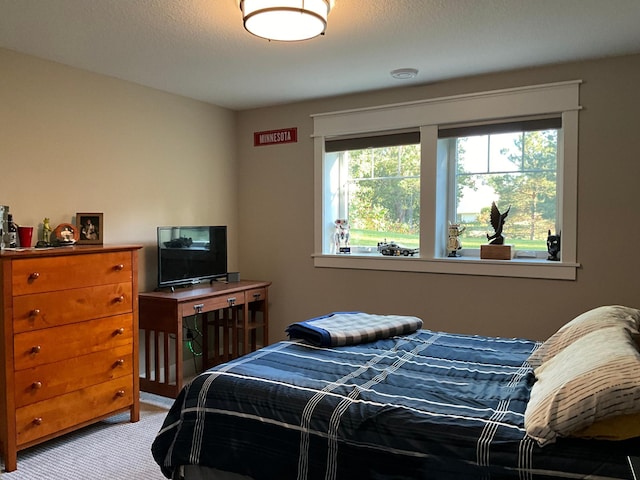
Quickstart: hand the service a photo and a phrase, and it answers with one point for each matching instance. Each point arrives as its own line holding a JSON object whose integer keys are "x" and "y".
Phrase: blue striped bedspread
{"x": 350, "y": 328}
{"x": 428, "y": 405}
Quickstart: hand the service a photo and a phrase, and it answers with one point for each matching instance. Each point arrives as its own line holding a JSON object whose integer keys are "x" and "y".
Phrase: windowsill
{"x": 519, "y": 267}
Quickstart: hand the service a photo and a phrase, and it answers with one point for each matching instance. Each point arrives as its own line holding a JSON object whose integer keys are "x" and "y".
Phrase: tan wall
{"x": 276, "y": 196}
{"x": 72, "y": 141}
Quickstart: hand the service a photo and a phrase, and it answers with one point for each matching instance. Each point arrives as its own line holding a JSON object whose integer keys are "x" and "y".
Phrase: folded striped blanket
{"x": 350, "y": 328}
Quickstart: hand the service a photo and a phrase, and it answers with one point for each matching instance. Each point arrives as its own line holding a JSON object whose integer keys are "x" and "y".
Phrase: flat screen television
{"x": 190, "y": 255}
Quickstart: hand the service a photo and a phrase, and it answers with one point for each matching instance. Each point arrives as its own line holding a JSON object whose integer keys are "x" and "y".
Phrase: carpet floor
{"x": 113, "y": 449}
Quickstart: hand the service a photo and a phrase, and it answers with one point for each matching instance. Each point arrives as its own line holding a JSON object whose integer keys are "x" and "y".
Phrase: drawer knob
{"x": 231, "y": 301}
{"x": 119, "y": 331}
{"x": 120, "y": 393}
{"x": 119, "y": 267}
{"x": 120, "y": 299}
{"x": 36, "y": 385}
{"x": 34, "y": 276}
{"x": 37, "y": 421}
{"x": 256, "y": 296}
{"x": 35, "y": 349}
{"x": 119, "y": 362}
{"x": 35, "y": 312}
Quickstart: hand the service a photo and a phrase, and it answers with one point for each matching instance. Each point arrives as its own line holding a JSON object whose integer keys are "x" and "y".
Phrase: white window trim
{"x": 560, "y": 98}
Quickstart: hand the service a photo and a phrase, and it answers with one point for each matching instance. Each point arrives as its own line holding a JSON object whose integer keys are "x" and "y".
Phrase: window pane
{"x": 382, "y": 195}
{"x": 504, "y": 155}
{"x": 471, "y": 153}
{"x": 521, "y": 175}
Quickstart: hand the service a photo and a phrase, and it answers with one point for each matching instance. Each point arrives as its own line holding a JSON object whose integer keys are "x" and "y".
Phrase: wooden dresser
{"x": 68, "y": 343}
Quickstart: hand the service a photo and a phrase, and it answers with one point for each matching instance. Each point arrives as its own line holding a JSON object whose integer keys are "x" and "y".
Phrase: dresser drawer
{"x": 256, "y": 294}
{"x": 35, "y": 275}
{"x": 49, "y": 416}
{"x": 53, "y": 379}
{"x": 213, "y": 303}
{"x": 51, "y": 345}
{"x": 44, "y": 310}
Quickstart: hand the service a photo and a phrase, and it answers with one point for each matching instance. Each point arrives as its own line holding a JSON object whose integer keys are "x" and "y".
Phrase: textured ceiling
{"x": 199, "y": 49}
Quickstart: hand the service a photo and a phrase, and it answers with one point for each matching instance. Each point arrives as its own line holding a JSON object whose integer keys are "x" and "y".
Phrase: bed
{"x": 411, "y": 403}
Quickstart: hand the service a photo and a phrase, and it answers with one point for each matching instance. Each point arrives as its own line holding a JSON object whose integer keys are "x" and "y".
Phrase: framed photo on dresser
{"x": 90, "y": 227}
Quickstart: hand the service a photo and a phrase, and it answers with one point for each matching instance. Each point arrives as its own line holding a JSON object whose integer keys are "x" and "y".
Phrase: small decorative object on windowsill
{"x": 553, "y": 247}
{"x": 453, "y": 243}
{"x": 496, "y": 250}
{"x": 392, "y": 249}
{"x": 341, "y": 236}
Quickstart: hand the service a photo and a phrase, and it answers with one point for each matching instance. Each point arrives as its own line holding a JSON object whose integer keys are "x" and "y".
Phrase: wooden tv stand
{"x": 229, "y": 316}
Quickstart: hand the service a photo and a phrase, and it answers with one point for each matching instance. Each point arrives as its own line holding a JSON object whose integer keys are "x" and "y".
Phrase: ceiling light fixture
{"x": 404, "y": 73}
{"x": 285, "y": 20}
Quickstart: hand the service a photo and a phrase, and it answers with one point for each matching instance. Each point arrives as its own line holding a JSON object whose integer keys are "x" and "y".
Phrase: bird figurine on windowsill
{"x": 497, "y": 222}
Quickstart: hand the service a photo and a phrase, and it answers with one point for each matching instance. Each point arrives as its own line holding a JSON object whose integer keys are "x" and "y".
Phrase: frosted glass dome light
{"x": 285, "y": 20}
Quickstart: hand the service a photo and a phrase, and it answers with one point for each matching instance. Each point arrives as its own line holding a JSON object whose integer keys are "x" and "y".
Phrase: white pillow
{"x": 594, "y": 378}
{"x": 590, "y": 321}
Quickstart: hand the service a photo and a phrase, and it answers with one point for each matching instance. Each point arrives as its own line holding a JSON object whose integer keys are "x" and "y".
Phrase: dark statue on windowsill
{"x": 497, "y": 222}
{"x": 553, "y": 247}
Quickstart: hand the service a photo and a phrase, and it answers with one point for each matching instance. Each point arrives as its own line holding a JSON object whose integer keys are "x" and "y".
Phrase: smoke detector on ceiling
{"x": 404, "y": 73}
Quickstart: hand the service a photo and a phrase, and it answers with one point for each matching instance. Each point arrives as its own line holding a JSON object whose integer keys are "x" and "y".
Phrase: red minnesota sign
{"x": 270, "y": 137}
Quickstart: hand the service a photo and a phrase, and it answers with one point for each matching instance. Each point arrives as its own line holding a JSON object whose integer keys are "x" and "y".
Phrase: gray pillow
{"x": 594, "y": 378}
{"x": 590, "y": 321}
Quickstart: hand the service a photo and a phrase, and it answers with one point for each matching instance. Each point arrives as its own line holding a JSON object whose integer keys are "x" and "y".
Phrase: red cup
{"x": 24, "y": 235}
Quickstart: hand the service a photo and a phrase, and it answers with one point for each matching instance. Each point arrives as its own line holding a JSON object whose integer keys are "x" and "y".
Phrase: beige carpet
{"x": 114, "y": 449}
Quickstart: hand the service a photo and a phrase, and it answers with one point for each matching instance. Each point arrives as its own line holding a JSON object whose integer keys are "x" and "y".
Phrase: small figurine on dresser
{"x": 46, "y": 230}
{"x": 4, "y": 212}
{"x": 12, "y": 232}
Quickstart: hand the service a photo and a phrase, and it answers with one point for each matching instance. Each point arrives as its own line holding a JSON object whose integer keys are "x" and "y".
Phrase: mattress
{"x": 430, "y": 405}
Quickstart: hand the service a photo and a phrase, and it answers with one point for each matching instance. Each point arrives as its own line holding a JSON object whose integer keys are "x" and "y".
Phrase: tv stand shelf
{"x": 230, "y": 316}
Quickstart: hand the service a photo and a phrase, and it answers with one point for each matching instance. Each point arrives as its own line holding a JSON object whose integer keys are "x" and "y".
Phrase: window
{"x": 404, "y": 172}
{"x": 512, "y": 164}
{"x": 377, "y": 188}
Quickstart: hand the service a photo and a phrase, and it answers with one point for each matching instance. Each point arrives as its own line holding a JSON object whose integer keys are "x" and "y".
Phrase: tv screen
{"x": 189, "y": 255}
